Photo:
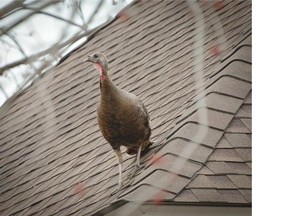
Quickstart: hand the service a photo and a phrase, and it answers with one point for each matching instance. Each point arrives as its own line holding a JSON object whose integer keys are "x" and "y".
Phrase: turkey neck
{"x": 104, "y": 80}
{"x": 109, "y": 91}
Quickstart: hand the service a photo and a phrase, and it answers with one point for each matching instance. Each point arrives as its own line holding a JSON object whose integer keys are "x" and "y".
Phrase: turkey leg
{"x": 138, "y": 157}
{"x": 120, "y": 162}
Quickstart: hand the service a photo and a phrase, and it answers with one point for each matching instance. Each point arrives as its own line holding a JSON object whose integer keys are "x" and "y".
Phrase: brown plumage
{"x": 122, "y": 117}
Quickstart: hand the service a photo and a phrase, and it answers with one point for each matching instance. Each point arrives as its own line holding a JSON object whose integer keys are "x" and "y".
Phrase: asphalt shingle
{"x": 241, "y": 181}
{"x": 238, "y": 140}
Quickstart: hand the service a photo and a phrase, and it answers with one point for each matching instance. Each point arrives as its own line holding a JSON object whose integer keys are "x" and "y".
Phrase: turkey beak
{"x": 88, "y": 59}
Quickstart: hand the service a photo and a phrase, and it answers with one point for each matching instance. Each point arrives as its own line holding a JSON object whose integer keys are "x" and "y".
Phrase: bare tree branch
{"x": 56, "y": 17}
{"x": 53, "y": 47}
{"x": 56, "y": 50}
{"x": 98, "y": 7}
{"x": 80, "y": 12}
{"x": 12, "y": 6}
{"x": 73, "y": 14}
{"x": 45, "y": 52}
{"x": 17, "y": 43}
{"x": 17, "y": 22}
{"x": 15, "y": 79}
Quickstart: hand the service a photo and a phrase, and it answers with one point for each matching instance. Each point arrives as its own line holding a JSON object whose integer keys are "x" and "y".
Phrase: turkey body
{"x": 123, "y": 118}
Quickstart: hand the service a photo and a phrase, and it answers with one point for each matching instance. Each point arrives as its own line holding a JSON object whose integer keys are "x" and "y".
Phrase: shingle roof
{"x": 53, "y": 157}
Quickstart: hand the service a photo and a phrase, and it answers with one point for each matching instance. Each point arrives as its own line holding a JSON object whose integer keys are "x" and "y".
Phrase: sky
{"x": 40, "y": 31}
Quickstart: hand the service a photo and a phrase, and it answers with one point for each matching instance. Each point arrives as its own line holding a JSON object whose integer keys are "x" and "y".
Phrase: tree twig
{"x": 12, "y": 6}
{"x": 16, "y": 42}
{"x": 44, "y": 52}
{"x": 18, "y": 21}
{"x": 55, "y": 46}
{"x": 56, "y": 17}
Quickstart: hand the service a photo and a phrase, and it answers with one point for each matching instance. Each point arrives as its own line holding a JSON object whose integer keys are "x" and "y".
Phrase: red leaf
{"x": 156, "y": 160}
{"x": 215, "y": 50}
{"x": 79, "y": 189}
{"x": 219, "y": 5}
{"x": 158, "y": 198}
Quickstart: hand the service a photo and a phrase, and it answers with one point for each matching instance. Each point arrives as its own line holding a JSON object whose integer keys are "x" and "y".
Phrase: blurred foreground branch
{"x": 25, "y": 43}
{"x": 57, "y": 46}
{"x": 42, "y": 5}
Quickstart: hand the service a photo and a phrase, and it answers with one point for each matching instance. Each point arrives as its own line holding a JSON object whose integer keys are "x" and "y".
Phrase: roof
{"x": 191, "y": 66}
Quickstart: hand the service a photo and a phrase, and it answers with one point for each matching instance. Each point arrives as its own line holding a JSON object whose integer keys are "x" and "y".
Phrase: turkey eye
{"x": 96, "y": 55}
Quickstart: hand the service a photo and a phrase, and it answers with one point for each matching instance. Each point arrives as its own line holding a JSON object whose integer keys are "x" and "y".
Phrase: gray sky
{"x": 40, "y": 31}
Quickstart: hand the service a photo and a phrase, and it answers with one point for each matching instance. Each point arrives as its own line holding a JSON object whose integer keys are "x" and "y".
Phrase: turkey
{"x": 122, "y": 117}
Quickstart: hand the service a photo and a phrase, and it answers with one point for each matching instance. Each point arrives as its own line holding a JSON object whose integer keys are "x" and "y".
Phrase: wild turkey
{"x": 122, "y": 117}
